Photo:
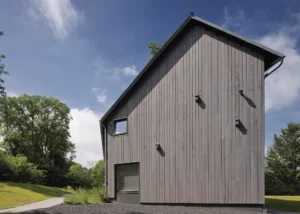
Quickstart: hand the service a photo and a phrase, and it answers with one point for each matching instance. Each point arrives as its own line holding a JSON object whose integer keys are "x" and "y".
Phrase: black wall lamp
{"x": 238, "y": 123}
{"x": 242, "y": 93}
{"x": 157, "y": 146}
{"x": 198, "y": 98}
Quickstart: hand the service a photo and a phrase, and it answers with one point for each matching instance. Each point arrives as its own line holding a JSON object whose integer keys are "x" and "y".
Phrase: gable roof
{"x": 271, "y": 57}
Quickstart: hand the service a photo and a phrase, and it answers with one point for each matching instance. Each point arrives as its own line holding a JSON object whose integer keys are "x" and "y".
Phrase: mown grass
{"x": 17, "y": 194}
{"x": 82, "y": 196}
{"x": 286, "y": 203}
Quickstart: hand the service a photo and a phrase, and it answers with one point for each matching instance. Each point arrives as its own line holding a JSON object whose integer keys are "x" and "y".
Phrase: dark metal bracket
{"x": 157, "y": 146}
{"x": 198, "y": 98}
{"x": 242, "y": 93}
{"x": 238, "y": 123}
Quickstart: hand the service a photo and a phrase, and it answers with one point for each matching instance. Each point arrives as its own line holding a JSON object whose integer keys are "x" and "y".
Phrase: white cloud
{"x": 233, "y": 21}
{"x": 12, "y": 94}
{"x": 118, "y": 73}
{"x": 105, "y": 69}
{"x": 266, "y": 150}
{"x": 283, "y": 86}
{"x": 100, "y": 94}
{"x": 127, "y": 71}
{"x": 61, "y": 15}
{"x": 85, "y": 133}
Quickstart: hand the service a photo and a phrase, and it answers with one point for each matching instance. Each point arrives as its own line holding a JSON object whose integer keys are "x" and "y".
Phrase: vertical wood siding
{"x": 205, "y": 157}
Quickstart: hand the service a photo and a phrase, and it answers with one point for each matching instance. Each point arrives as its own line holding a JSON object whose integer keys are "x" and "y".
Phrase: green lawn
{"x": 287, "y": 203}
{"x": 17, "y": 194}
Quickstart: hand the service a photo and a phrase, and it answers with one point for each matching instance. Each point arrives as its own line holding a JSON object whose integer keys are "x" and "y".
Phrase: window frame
{"x": 115, "y": 126}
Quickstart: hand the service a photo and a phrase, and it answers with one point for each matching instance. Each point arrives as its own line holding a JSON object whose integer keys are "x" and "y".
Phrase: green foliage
{"x": 2, "y": 71}
{"x": 78, "y": 176}
{"x": 154, "y": 48}
{"x": 18, "y": 169}
{"x": 93, "y": 196}
{"x": 38, "y": 128}
{"x": 283, "y": 162}
{"x": 97, "y": 174}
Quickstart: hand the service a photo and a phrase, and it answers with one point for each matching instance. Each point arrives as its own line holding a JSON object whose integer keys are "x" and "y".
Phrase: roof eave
{"x": 146, "y": 67}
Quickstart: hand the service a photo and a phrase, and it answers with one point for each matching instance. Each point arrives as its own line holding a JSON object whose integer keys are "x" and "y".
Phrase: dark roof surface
{"x": 271, "y": 56}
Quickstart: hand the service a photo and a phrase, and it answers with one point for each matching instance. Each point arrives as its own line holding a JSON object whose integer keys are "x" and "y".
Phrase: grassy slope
{"x": 287, "y": 203}
{"x": 17, "y": 194}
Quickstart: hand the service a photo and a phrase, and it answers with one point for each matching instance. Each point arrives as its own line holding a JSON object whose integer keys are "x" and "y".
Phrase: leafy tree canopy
{"x": 283, "y": 162}
{"x": 2, "y": 71}
{"x": 154, "y": 48}
{"x": 38, "y": 128}
{"x": 97, "y": 174}
{"x": 78, "y": 176}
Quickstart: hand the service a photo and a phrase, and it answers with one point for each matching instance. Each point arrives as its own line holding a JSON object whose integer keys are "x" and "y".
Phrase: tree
{"x": 78, "y": 176}
{"x": 154, "y": 48}
{"x": 38, "y": 128}
{"x": 18, "y": 169}
{"x": 97, "y": 174}
{"x": 2, "y": 71}
{"x": 282, "y": 174}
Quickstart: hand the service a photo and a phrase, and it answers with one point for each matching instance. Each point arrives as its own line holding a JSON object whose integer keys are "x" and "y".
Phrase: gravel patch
{"x": 136, "y": 209}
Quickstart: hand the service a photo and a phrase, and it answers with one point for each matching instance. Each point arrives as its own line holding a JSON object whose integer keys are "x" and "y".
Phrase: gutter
{"x": 281, "y": 62}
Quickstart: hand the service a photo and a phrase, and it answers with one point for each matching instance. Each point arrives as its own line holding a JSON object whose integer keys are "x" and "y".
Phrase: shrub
{"x": 78, "y": 176}
{"x": 97, "y": 174}
{"x": 93, "y": 196}
{"x": 17, "y": 168}
{"x": 81, "y": 177}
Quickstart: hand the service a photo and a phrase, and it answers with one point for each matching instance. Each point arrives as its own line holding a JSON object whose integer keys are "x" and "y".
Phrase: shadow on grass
{"x": 47, "y": 191}
{"x": 281, "y": 204}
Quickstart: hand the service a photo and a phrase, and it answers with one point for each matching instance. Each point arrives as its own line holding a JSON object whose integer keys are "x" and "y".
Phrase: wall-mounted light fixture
{"x": 198, "y": 98}
{"x": 238, "y": 122}
{"x": 242, "y": 93}
{"x": 157, "y": 146}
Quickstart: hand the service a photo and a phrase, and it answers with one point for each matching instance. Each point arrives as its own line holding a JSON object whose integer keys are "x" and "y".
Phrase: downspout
{"x": 104, "y": 139}
{"x": 281, "y": 61}
{"x": 106, "y": 159}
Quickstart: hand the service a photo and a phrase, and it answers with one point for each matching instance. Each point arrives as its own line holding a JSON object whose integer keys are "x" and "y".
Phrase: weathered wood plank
{"x": 261, "y": 139}
{"x": 207, "y": 159}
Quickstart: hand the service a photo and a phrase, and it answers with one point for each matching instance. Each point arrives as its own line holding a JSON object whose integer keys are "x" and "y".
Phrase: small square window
{"x": 120, "y": 127}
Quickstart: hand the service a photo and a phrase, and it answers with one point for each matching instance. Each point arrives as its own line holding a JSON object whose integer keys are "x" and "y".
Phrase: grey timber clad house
{"x": 192, "y": 122}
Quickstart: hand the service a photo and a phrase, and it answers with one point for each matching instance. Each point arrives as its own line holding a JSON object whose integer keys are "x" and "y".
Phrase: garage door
{"x": 128, "y": 183}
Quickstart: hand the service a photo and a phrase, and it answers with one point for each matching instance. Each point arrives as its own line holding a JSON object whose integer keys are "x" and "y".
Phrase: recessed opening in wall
{"x": 120, "y": 126}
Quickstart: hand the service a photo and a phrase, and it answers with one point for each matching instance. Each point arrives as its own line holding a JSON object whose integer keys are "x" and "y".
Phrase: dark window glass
{"x": 120, "y": 127}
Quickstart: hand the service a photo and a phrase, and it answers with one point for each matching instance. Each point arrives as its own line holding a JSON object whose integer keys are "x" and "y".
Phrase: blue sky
{"x": 86, "y": 52}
